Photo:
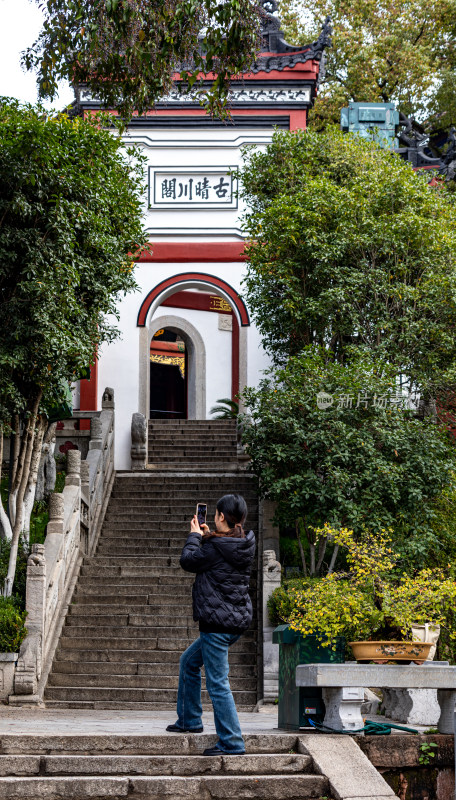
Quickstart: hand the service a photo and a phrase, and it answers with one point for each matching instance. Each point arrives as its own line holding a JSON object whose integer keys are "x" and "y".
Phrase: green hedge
{"x": 12, "y": 625}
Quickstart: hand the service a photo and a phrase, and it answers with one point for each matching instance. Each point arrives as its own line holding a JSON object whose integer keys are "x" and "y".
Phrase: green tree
{"x": 70, "y": 220}
{"x": 349, "y": 247}
{"x": 126, "y": 51}
{"x": 349, "y": 280}
{"x": 390, "y": 51}
{"x": 364, "y": 462}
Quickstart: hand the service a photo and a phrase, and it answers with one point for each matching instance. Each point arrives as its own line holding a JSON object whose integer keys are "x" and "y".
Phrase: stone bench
{"x": 343, "y": 688}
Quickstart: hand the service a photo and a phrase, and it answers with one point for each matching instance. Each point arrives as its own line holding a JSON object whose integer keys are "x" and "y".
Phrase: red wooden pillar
{"x": 88, "y": 398}
{"x": 235, "y": 358}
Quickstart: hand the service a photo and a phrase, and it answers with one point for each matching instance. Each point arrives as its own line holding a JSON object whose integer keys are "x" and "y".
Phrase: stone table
{"x": 343, "y": 688}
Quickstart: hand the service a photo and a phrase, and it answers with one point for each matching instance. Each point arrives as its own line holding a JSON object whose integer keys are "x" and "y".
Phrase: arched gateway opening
{"x": 184, "y": 391}
{"x": 168, "y": 375}
{"x": 172, "y": 349}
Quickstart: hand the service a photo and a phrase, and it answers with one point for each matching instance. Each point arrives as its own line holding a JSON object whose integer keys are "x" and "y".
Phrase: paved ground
{"x": 82, "y": 721}
{"x": 54, "y": 721}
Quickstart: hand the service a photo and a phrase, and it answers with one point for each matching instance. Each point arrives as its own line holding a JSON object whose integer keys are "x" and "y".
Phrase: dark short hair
{"x": 234, "y": 509}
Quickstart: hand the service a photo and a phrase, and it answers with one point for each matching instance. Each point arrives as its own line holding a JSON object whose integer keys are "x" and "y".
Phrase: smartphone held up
{"x": 201, "y": 513}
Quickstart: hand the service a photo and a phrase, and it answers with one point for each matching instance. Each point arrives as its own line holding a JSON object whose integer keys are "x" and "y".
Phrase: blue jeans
{"x": 211, "y": 649}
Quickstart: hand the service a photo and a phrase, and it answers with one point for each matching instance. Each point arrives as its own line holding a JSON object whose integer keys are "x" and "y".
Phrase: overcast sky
{"x": 20, "y": 23}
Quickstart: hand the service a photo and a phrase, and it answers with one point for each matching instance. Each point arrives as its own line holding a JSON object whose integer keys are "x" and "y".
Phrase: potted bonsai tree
{"x": 369, "y": 603}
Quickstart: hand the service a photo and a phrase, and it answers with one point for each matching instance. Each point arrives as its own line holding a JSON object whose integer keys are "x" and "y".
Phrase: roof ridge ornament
{"x": 277, "y": 53}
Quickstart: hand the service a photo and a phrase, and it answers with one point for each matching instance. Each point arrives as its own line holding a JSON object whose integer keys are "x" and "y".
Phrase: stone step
{"x": 173, "y": 508}
{"x": 139, "y": 744}
{"x": 183, "y": 765}
{"x": 202, "y": 442}
{"x": 98, "y": 640}
{"x": 113, "y": 681}
{"x": 214, "y": 787}
{"x": 100, "y": 613}
{"x": 184, "y": 485}
{"x": 130, "y": 530}
{"x": 134, "y": 571}
{"x": 126, "y": 668}
{"x": 94, "y": 641}
{"x": 106, "y": 548}
{"x": 153, "y": 609}
{"x": 127, "y": 583}
{"x": 188, "y": 423}
{"x": 157, "y": 511}
{"x": 216, "y": 478}
{"x": 165, "y": 495}
{"x": 201, "y": 436}
{"x": 197, "y": 444}
{"x": 126, "y": 548}
{"x": 202, "y": 459}
{"x": 151, "y": 620}
{"x": 140, "y": 536}
{"x": 132, "y": 560}
{"x": 183, "y": 632}
{"x": 66, "y": 654}
{"x": 200, "y": 454}
{"x": 94, "y": 694}
{"x": 131, "y": 526}
{"x": 126, "y": 595}
{"x": 99, "y": 609}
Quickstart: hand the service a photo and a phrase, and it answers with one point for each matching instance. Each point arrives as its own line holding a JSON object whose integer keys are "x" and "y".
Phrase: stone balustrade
{"x": 75, "y": 520}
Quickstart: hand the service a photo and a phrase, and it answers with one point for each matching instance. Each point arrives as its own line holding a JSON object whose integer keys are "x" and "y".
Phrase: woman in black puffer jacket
{"x": 222, "y": 560}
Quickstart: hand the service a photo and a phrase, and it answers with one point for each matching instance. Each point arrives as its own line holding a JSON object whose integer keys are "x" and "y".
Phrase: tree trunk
{"x": 301, "y": 549}
{"x": 29, "y": 496}
{"x": 5, "y": 525}
{"x": 23, "y": 472}
{"x": 321, "y": 552}
{"x": 311, "y": 550}
{"x": 333, "y": 559}
{"x": 13, "y": 467}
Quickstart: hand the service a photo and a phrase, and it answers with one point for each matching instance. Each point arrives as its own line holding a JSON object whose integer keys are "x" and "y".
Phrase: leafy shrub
{"x": 12, "y": 625}
{"x": 370, "y": 600}
{"x": 282, "y": 599}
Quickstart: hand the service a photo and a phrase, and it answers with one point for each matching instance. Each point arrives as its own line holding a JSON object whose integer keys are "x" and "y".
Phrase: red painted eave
{"x": 182, "y": 252}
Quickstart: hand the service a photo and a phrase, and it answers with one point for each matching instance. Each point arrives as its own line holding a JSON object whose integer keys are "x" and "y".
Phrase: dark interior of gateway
{"x": 168, "y": 376}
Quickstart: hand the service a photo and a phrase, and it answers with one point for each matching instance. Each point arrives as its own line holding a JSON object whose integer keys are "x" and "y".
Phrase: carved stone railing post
{"x": 107, "y": 400}
{"x": 73, "y": 477}
{"x": 271, "y": 580}
{"x": 56, "y": 513}
{"x": 96, "y": 434}
{"x": 84, "y": 473}
{"x": 138, "y": 441}
{"x": 28, "y": 670}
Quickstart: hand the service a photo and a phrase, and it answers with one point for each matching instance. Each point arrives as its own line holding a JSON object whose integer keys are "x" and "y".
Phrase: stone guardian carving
{"x": 138, "y": 441}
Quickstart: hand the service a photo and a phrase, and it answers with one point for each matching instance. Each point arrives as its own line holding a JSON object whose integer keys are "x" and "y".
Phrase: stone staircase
{"x": 192, "y": 444}
{"x": 131, "y": 614}
{"x": 155, "y": 768}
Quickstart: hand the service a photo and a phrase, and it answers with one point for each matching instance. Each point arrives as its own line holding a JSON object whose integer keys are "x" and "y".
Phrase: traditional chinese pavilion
{"x": 187, "y": 338}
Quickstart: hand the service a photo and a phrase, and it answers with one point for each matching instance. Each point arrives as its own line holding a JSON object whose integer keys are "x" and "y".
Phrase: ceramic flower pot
{"x": 382, "y": 652}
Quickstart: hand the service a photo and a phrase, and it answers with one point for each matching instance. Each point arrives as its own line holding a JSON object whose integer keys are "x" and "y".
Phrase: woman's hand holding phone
{"x": 196, "y": 528}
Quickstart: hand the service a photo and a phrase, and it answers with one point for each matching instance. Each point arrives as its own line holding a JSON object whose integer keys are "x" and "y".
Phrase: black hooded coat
{"x": 221, "y": 600}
